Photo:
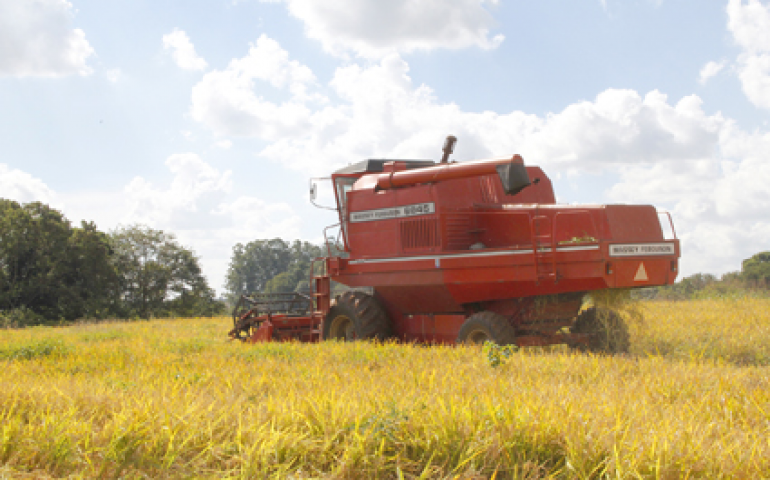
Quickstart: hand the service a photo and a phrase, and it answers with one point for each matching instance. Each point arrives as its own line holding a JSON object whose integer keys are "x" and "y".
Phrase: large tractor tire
{"x": 608, "y": 330}
{"x": 357, "y": 316}
{"x": 487, "y": 327}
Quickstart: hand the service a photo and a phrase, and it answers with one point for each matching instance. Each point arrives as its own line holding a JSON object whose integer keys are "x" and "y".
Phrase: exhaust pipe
{"x": 449, "y": 147}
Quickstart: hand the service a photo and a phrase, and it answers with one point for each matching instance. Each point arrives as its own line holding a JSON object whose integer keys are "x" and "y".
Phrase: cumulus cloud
{"x": 197, "y": 199}
{"x": 196, "y": 206}
{"x": 183, "y": 51}
{"x": 373, "y": 28}
{"x": 37, "y": 39}
{"x": 193, "y": 181}
{"x": 23, "y": 187}
{"x": 750, "y": 26}
{"x": 227, "y": 100}
{"x": 711, "y": 69}
{"x": 621, "y": 128}
{"x": 743, "y": 193}
{"x": 379, "y": 110}
{"x": 382, "y": 112}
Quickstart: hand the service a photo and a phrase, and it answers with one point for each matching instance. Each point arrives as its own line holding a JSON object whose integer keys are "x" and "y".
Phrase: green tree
{"x": 756, "y": 270}
{"x": 254, "y": 264}
{"x": 91, "y": 273}
{"x": 51, "y": 269}
{"x": 296, "y": 278}
{"x": 159, "y": 277}
{"x": 270, "y": 266}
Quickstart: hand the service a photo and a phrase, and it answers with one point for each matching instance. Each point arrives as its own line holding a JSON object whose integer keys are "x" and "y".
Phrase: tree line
{"x": 53, "y": 272}
{"x": 271, "y": 266}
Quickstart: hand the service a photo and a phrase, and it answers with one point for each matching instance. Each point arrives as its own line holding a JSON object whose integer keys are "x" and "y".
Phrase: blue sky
{"x": 206, "y": 119}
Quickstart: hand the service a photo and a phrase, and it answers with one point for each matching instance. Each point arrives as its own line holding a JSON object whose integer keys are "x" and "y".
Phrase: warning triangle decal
{"x": 641, "y": 274}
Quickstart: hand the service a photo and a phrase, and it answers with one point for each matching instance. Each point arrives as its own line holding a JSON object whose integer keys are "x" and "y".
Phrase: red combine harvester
{"x": 467, "y": 252}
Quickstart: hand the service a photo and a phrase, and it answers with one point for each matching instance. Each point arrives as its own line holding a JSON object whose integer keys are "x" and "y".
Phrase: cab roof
{"x": 376, "y": 166}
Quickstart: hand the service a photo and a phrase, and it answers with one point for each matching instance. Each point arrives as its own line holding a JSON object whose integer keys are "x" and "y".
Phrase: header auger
{"x": 468, "y": 252}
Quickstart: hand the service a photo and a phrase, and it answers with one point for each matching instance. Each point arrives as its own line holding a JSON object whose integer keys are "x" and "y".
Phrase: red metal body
{"x": 438, "y": 243}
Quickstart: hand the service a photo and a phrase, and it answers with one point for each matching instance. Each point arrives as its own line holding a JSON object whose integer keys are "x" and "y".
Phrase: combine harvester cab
{"x": 472, "y": 252}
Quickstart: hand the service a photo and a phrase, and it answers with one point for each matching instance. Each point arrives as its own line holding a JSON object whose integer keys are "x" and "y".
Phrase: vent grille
{"x": 458, "y": 228}
{"x": 421, "y": 233}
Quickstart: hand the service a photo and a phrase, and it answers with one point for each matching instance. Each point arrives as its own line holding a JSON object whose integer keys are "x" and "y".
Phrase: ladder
{"x": 320, "y": 289}
{"x": 544, "y": 248}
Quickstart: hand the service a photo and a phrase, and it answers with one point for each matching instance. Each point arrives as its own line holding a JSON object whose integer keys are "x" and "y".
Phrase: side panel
{"x": 635, "y": 223}
{"x": 503, "y": 229}
{"x": 372, "y": 238}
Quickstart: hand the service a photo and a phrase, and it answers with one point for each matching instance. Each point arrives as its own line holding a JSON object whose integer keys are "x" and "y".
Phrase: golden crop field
{"x": 174, "y": 399}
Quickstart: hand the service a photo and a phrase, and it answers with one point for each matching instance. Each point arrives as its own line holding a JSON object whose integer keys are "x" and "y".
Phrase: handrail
{"x": 336, "y": 240}
{"x": 670, "y": 222}
{"x": 551, "y": 234}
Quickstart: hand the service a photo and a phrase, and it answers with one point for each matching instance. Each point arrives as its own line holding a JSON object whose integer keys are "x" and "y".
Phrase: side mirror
{"x": 314, "y": 193}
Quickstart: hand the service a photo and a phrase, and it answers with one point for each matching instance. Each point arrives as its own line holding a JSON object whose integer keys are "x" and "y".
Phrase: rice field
{"x": 174, "y": 399}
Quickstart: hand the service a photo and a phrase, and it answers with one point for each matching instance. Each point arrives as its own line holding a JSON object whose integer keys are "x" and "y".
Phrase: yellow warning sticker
{"x": 641, "y": 274}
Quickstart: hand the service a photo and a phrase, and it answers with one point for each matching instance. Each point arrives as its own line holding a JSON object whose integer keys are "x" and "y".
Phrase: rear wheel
{"x": 608, "y": 331}
{"x": 357, "y": 315}
{"x": 487, "y": 327}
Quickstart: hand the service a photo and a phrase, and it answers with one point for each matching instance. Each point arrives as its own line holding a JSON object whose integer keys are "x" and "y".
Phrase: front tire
{"x": 357, "y": 316}
{"x": 487, "y": 327}
{"x": 608, "y": 331}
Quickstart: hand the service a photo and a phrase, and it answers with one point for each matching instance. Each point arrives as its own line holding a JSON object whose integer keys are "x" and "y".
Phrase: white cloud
{"x": 621, "y": 128}
{"x": 196, "y": 207}
{"x": 36, "y": 39}
{"x": 373, "y": 28}
{"x": 383, "y": 114}
{"x": 710, "y": 70}
{"x": 743, "y": 193}
{"x": 183, "y": 51}
{"x": 750, "y": 26}
{"x": 193, "y": 181}
{"x": 754, "y": 72}
{"x": 228, "y": 103}
{"x": 23, "y": 187}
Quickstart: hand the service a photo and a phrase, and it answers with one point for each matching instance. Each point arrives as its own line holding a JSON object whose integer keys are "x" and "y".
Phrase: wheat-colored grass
{"x": 173, "y": 399}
